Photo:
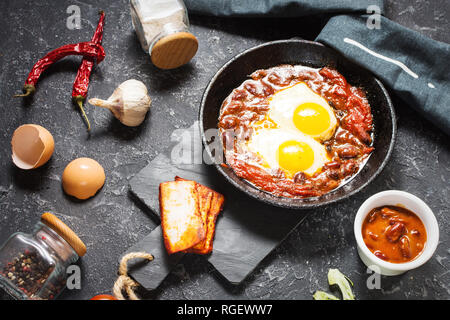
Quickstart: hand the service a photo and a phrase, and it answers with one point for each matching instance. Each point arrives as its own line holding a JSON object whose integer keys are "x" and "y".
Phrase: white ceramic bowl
{"x": 410, "y": 202}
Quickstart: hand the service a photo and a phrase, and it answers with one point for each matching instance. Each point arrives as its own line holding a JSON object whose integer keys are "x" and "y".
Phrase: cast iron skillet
{"x": 312, "y": 54}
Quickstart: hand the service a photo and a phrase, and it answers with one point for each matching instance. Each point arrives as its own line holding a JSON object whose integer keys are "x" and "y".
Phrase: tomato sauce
{"x": 394, "y": 234}
{"x": 348, "y": 148}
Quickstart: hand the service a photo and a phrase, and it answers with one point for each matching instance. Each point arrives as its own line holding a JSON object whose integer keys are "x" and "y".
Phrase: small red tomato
{"x": 104, "y": 297}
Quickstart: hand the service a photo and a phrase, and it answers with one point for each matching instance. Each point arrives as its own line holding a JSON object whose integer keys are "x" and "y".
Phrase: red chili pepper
{"x": 81, "y": 84}
{"x": 86, "y": 49}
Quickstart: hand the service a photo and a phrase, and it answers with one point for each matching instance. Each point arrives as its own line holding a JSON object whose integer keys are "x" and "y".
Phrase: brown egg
{"x": 32, "y": 146}
{"x": 82, "y": 178}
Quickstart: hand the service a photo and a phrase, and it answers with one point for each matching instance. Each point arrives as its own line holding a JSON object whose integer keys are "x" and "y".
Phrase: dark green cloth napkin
{"x": 414, "y": 66}
{"x": 277, "y": 8}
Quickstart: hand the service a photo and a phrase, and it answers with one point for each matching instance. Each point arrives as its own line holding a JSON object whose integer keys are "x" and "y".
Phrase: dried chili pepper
{"x": 81, "y": 84}
{"x": 86, "y": 49}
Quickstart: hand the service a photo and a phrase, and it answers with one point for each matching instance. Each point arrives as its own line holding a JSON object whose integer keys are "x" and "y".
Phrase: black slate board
{"x": 247, "y": 230}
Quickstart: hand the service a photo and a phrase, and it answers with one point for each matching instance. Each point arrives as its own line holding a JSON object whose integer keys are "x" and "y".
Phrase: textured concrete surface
{"x": 112, "y": 221}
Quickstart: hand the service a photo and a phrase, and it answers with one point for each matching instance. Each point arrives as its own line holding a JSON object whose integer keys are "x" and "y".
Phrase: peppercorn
{"x": 28, "y": 272}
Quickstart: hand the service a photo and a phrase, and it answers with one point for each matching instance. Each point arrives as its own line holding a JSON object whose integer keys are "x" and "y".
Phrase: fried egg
{"x": 299, "y": 109}
{"x": 290, "y": 136}
{"x": 287, "y": 150}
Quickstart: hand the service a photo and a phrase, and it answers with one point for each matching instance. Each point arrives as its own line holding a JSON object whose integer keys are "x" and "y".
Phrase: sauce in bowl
{"x": 394, "y": 234}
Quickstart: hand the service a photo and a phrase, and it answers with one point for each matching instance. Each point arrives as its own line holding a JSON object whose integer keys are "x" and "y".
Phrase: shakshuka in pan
{"x": 296, "y": 131}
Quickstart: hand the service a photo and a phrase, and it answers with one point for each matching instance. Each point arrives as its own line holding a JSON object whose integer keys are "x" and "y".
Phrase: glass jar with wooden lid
{"x": 34, "y": 266}
{"x": 162, "y": 27}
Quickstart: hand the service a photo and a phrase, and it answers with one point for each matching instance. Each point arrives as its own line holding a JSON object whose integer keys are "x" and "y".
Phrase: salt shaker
{"x": 162, "y": 27}
{"x": 33, "y": 266}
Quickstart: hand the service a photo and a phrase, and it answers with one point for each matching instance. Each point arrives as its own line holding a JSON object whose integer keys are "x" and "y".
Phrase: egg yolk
{"x": 294, "y": 156}
{"x": 311, "y": 118}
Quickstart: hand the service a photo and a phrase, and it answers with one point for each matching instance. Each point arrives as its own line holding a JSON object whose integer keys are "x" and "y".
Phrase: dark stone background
{"x": 112, "y": 221}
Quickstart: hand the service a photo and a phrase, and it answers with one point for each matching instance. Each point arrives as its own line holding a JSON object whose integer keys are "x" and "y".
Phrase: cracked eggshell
{"x": 32, "y": 146}
{"x": 82, "y": 178}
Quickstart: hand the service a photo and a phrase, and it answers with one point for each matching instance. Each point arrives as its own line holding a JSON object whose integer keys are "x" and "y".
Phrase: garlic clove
{"x": 129, "y": 103}
{"x": 32, "y": 146}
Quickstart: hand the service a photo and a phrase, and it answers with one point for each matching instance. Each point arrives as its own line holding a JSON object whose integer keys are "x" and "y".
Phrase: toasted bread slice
{"x": 205, "y": 196}
{"x": 215, "y": 206}
{"x": 181, "y": 221}
{"x": 204, "y": 199}
{"x": 210, "y": 205}
{"x": 206, "y": 246}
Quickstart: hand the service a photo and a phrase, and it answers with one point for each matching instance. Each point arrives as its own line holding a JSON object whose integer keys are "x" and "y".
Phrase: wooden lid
{"x": 65, "y": 232}
{"x": 174, "y": 50}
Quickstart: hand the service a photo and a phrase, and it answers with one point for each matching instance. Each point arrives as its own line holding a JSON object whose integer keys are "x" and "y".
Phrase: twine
{"x": 124, "y": 282}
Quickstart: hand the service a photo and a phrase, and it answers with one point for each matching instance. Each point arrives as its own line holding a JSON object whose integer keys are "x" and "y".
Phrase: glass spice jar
{"x": 33, "y": 266}
{"x": 162, "y": 27}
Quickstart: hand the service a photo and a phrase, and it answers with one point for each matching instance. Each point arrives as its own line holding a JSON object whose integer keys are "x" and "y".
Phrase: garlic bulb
{"x": 129, "y": 103}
